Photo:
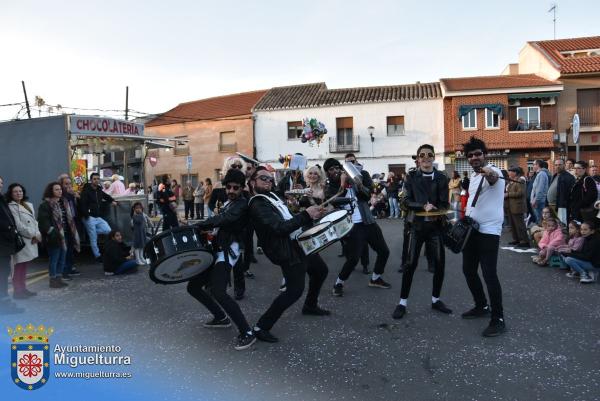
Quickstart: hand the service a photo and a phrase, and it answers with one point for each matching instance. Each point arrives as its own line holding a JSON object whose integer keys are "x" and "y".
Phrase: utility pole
{"x": 126, "y": 102}
{"x": 553, "y": 9}
{"x": 26, "y": 100}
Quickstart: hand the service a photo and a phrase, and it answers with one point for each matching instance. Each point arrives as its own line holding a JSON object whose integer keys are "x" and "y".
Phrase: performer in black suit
{"x": 231, "y": 222}
{"x": 426, "y": 190}
{"x": 276, "y": 229}
{"x": 365, "y": 230}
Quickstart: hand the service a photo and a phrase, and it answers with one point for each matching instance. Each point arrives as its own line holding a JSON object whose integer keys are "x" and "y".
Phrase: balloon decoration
{"x": 285, "y": 160}
{"x": 313, "y": 131}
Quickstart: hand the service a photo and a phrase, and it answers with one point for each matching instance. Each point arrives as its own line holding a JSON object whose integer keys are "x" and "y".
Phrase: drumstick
{"x": 339, "y": 192}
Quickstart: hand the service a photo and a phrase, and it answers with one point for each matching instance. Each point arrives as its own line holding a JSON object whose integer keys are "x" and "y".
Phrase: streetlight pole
{"x": 371, "y": 130}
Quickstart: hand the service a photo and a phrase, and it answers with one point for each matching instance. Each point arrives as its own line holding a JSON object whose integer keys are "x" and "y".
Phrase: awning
{"x": 141, "y": 138}
{"x": 536, "y": 95}
{"x": 496, "y": 108}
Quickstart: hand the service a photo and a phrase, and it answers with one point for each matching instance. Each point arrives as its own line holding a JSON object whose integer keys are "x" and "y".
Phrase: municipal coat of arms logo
{"x": 30, "y": 355}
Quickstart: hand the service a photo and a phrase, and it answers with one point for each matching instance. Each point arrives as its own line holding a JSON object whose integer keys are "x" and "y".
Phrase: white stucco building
{"x": 401, "y": 116}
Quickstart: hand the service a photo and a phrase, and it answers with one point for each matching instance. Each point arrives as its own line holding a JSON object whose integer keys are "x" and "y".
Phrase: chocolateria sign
{"x": 84, "y": 125}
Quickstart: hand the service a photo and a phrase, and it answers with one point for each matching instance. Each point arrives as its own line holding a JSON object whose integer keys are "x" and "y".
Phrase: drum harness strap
{"x": 281, "y": 208}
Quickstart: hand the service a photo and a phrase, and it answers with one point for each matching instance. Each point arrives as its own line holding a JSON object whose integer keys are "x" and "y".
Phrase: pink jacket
{"x": 554, "y": 239}
{"x": 576, "y": 243}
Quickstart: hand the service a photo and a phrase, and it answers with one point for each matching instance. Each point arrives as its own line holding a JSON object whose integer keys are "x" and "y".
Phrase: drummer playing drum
{"x": 231, "y": 223}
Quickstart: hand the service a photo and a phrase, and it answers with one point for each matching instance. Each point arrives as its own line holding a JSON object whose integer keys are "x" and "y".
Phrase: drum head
{"x": 334, "y": 216}
{"x": 182, "y": 266}
{"x": 315, "y": 230}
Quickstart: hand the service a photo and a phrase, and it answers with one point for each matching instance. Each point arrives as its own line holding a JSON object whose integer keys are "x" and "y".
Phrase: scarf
{"x": 57, "y": 219}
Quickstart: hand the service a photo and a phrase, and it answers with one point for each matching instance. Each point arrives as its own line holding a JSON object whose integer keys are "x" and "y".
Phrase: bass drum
{"x": 178, "y": 255}
{"x": 341, "y": 222}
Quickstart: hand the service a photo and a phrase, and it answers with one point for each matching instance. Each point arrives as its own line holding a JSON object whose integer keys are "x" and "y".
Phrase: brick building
{"x": 213, "y": 128}
{"x": 515, "y": 115}
{"x": 576, "y": 63}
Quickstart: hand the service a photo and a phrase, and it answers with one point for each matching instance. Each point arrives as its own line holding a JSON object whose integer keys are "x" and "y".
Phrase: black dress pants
{"x": 429, "y": 233}
{"x": 189, "y": 208}
{"x": 199, "y": 210}
{"x": 217, "y": 301}
{"x": 294, "y": 275}
{"x": 169, "y": 218}
{"x": 482, "y": 249}
{"x": 354, "y": 246}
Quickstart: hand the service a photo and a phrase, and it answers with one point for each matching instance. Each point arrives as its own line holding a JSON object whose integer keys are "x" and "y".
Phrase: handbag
{"x": 19, "y": 241}
{"x": 457, "y": 235}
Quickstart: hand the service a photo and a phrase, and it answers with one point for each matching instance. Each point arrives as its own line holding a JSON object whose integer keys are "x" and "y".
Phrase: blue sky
{"x": 83, "y": 54}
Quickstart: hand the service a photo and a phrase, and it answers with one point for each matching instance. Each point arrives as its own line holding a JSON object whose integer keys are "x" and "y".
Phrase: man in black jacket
{"x": 365, "y": 230}
{"x": 426, "y": 191}
{"x": 92, "y": 202}
{"x": 231, "y": 223}
{"x": 276, "y": 229}
{"x": 559, "y": 190}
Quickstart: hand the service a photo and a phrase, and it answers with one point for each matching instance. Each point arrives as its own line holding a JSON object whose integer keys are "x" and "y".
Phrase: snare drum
{"x": 341, "y": 222}
{"x": 178, "y": 255}
{"x": 316, "y": 238}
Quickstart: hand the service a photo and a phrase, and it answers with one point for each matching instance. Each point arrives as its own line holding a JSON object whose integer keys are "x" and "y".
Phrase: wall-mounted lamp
{"x": 371, "y": 129}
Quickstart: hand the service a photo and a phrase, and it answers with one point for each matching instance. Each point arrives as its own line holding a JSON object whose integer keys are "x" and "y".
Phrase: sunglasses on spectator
{"x": 426, "y": 154}
{"x": 236, "y": 166}
{"x": 333, "y": 168}
{"x": 353, "y": 161}
{"x": 478, "y": 153}
{"x": 265, "y": 178}
{"x": 232, "y": 187}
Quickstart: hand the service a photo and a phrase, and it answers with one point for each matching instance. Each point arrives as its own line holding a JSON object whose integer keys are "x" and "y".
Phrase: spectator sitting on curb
{"x": 118, "y": 258}
{"x": 552, "y": 238}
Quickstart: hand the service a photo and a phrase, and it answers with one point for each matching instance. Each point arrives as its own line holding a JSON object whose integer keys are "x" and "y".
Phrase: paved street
{"x": 551, "y": 350}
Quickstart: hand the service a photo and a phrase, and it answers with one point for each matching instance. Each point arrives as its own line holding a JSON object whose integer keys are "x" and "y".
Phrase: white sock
{"x": 283, "y": 281}
{"x": 256, "y": 328}
{"x": 338, "y": 281}
{"x": 403, "y": 301}
{"x": 375, "y": 276}
{"x": 434, "y": 300}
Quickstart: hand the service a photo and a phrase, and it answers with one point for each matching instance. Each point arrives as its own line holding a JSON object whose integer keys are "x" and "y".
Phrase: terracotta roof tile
{"x": 317, "y": 94}
{"x": 496, "y": 82}
{"x": 207, "y": 109}
{"x": 552, "y": 50}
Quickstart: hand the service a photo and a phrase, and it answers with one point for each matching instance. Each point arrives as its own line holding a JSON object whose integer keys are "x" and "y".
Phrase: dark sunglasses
{"x": 428, "y": 154}
{"x": 333, "y": 168}
{"x": 233, "y": 187}
{"x": 351, "y": 161}
{"x": 265, "y": 178}
{"x": 236, "y": 166}
{"x": 477, "y": 153}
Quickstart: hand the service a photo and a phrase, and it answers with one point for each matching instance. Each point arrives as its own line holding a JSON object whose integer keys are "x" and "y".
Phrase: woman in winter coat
{"x": 27, "y": 226}
{"x": 7, "y": 249}
{"x": 57, "y": 227}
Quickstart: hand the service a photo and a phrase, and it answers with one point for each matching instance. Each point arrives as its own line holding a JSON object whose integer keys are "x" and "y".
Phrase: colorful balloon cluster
{"x": 285, "y": 160}
{"x": 313, "y": 131}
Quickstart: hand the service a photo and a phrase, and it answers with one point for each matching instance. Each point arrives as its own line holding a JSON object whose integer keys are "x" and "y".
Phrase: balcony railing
{"x": 344, "y": 147}
{"x": 531, "y": 126}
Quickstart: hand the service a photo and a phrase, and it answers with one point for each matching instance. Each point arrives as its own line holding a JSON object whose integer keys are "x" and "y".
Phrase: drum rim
{"x": 154, "y": 266}
{"x": 173, "y": 230}
{"x": 325, "y": 224}
{"x": 336, "y": 220}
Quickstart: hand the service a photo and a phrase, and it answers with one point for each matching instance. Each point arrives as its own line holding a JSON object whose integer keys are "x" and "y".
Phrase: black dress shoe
{"x": 266, "y": 336}
{"x": 315, "y": 311}
{"x": 523, "y": 245}
{"x": 476, "y": 312}
{"x": 254, "y": 260}
{"x": 399, "y": 312}
{"x": 495, "y": 328}
{"x": 513, "y": 242}
{"x": 238, "y": 295}
{"x": 440, "y": 306}
{"x": 366, "y": 270}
